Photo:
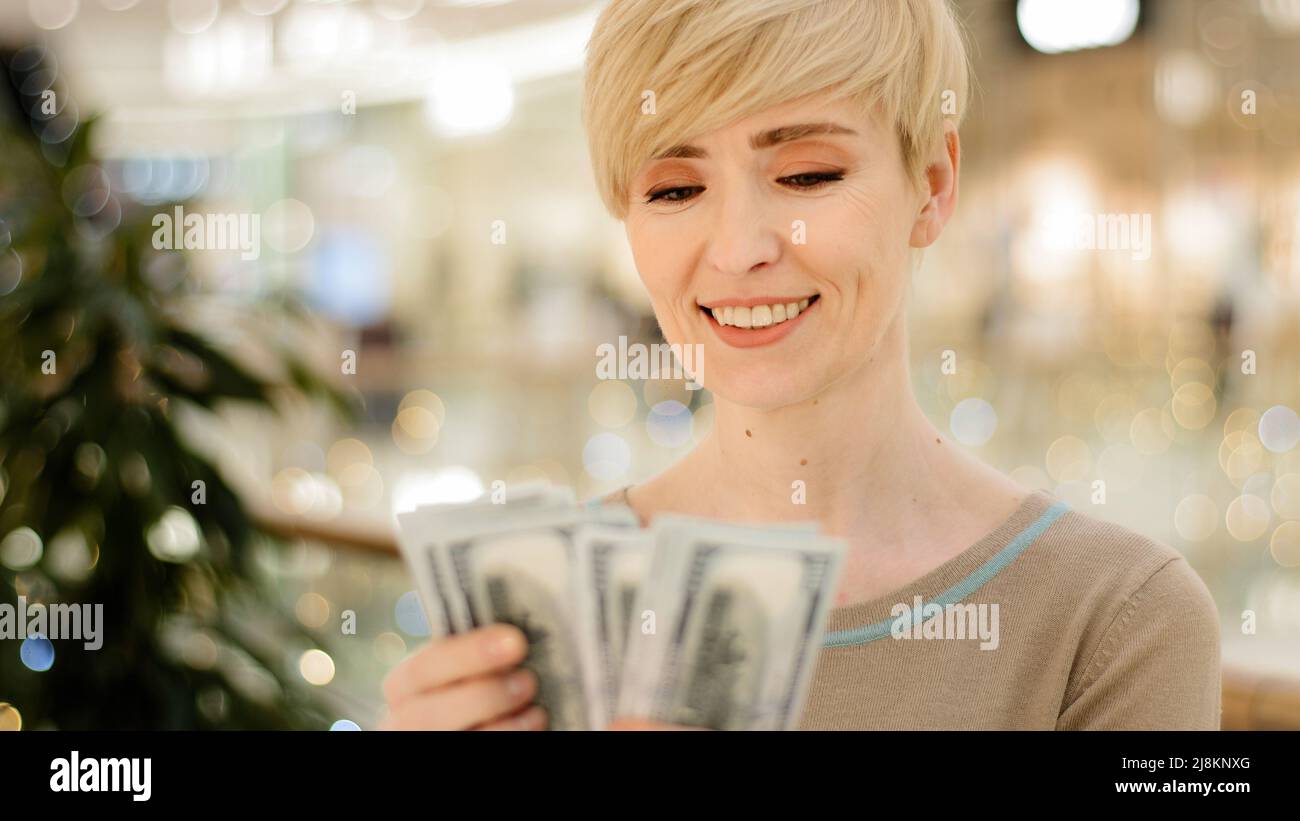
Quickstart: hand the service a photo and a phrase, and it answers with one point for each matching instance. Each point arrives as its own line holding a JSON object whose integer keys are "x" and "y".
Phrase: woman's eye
{"x": 812, "y": 179}
{"x": 678, "y": 194}
{"x": 803, "y": 182}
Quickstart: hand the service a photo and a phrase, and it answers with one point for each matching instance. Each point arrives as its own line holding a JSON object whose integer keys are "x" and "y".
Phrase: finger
{"x": 455, "y": 658}
{"x": 465, "y": 704}
{"x": 532, "y": 718}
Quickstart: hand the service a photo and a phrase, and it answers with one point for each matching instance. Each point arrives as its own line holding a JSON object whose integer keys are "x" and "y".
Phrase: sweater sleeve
{"x": 1157, "y": 664}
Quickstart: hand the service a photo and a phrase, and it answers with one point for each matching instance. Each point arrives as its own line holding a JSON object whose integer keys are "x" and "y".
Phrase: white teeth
{"x": 759, "y": 316}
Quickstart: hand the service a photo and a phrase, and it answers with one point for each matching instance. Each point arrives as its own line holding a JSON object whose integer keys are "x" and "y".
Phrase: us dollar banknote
{"x": 419, "y": 530}
{"x": 692, "y": 621}
{"x": 516, "y": 564}
{"x": 740, "y": 612}
{"x": 612, "y": 563}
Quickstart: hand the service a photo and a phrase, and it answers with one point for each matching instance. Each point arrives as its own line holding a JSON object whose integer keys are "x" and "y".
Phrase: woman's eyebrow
{"x": 788, "y": 133}
{"x": 761, "y": 140}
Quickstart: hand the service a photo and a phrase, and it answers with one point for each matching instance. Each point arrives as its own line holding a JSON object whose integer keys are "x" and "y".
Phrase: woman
{"x": 778, "y": 165}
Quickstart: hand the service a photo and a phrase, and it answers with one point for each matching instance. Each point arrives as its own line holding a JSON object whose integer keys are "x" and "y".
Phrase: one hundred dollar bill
{"x": 612, "y": 563}
{"x": 692, "y": 621}
{"x": 739, "y": 613}
{"x": 418, "y": 532}
{"x": 517, "y": 564}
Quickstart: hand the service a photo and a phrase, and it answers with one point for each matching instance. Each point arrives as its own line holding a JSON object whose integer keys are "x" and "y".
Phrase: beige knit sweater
{"x": 1057, "y": 621}
{"x": 1097, "y": 628}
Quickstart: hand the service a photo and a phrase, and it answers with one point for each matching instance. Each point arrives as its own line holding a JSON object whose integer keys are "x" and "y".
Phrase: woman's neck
{"x": 860, "y": 458}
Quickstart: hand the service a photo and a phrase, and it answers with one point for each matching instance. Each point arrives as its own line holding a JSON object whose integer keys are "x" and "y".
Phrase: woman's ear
{"x": 941, "y": 189}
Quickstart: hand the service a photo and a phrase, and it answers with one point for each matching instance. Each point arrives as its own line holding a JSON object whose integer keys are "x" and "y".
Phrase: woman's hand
{"x": 646, "y": 724}
{"x": 466, "y": 681}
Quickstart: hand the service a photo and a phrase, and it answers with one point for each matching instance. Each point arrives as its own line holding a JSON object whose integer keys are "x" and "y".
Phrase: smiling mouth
{"x": 760, "y": 316}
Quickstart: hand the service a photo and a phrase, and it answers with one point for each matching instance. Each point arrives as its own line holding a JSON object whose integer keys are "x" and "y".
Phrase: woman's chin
{"x": 762, "y": 391}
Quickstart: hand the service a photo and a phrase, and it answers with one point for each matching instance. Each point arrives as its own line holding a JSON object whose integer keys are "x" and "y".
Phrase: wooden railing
{"x": 1255, "y": 701}
{"x": 1251, "y": 700}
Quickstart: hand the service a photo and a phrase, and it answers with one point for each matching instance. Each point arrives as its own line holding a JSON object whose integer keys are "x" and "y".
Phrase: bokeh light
{"x": 428, "y": 400}
{"x": 415, "y": 430}
{"x": 312, "y": 610}
{"x": 288, "y": 225}
{"x": 1068, "y": 459}
{"x": 293, "y": 491}
{"x": 389, "y": 648}
{"x": 1285, "y": 544}
{"x": 419, "y": 420}
{"x": 409, "y": 615}
{"x": 21, "y": 549}
{"x": 71, "y": 555}
{"x": 53, "y": 14}
{"x": 345, "y": 453}
{"x": 606, "y": 456}
{"x": 1286, "y": 496}
{"x": 1240, "y": 455}
{"x": 1194, "y": 405}
{"x": 193, "y": 16}
{"x": 362, "y": 486}
{"x": 612, "y": 403}
{"x": 175, "y": 536}
{"x": 669, "y": 424}
{"x": 37, "y": 653}
{"x": 10, "y": 719}
{"x": 11, "y": 271}
{"x": 469, "y": 98}
{"x": 1053, "y": 26}
{"x": 973, "y": 422}
{"x": 1279, "y": 429}
{"x": 1248, "y": 518}
{"x": 316, "y": 667}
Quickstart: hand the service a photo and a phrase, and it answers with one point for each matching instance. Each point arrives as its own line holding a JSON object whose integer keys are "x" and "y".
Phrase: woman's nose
{"x": 742, "y": 237}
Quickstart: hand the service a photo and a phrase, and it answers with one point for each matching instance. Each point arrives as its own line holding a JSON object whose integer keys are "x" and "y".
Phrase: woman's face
{"x": 781, "y": 244}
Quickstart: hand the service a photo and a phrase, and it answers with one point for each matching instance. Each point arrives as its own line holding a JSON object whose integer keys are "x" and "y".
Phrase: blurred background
{"x": 217, "y": 446}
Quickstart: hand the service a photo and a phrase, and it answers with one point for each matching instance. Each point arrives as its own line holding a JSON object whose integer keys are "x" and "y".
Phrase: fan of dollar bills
{"x": 690, "y": 621}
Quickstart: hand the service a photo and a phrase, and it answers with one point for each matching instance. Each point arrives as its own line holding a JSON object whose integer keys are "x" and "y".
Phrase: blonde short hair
{"x": 711, "y": 62}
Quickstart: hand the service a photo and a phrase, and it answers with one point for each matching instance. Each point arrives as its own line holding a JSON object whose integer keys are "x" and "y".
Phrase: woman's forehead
{"x": 821, "y": 109}
{"x": 820, "y": 115}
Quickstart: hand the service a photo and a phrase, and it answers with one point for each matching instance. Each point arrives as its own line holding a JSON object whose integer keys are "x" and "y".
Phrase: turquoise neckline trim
{"x": 977, "y": 579}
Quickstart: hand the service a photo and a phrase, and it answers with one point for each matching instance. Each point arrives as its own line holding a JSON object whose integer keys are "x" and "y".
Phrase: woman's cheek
{"x": 653, "y": 278}
{"x": 668, "y": 323}
{"x": 666, "y": 277}
{"x": 663, "y": 289}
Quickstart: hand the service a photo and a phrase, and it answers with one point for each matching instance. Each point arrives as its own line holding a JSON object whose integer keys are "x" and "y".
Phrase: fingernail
{"x": 505, "y": 645}
{"x": 535, "y": 717}
{"x": 518, "y": 682}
